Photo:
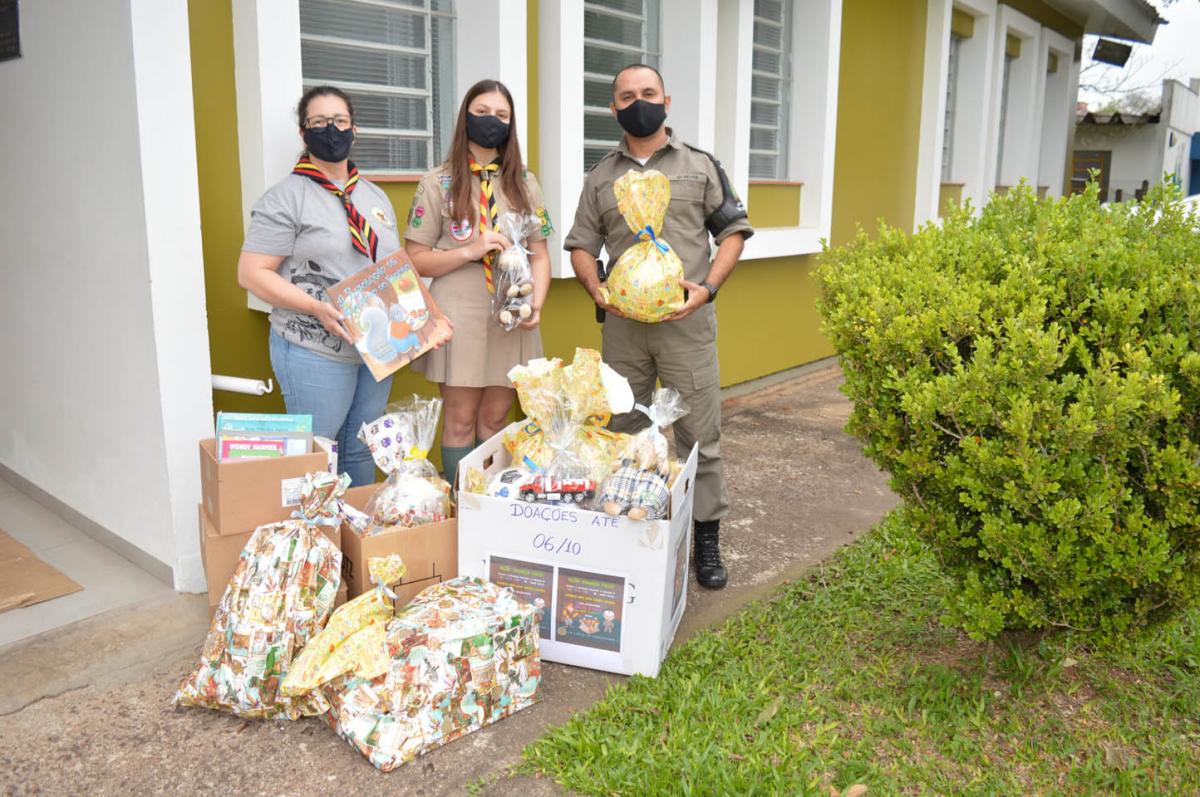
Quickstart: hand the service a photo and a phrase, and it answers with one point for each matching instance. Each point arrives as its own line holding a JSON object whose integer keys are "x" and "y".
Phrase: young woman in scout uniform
{"x": 312, "y": 229}
{"x": 452, "y": 238}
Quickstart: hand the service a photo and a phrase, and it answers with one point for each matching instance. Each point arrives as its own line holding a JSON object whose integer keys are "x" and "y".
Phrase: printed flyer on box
{"x": 588, "y": 609}
{"x": 528, "y": 581}
{"x": 390, "y": 314}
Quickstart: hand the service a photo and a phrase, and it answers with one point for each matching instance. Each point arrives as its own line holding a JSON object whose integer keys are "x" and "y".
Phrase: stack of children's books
{"x": 242, "y": 435}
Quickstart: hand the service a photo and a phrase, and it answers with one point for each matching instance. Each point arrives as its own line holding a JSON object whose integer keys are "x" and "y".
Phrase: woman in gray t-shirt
{"x": 312, "y": 229}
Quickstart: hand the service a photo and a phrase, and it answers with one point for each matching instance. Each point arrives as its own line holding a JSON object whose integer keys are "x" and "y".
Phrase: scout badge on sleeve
{"x": 644, "y": 282}
{"x": 639, "y": 488}
{"x": 354, "y": 641}
{"x": 280, "y": 596}
{"x": 414, "y": 494}
{"x": 462, "y": 655}
{"x": 513, "y": 275}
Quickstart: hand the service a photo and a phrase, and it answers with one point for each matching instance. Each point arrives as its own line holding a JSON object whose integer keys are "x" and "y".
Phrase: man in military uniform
{"x": 681, "y": 351}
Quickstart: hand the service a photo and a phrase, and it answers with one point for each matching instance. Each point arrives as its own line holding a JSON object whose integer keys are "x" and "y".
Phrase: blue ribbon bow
{"x": 648, "y": 233}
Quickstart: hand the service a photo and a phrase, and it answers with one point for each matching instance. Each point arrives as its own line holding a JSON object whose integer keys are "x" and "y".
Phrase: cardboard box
{"x": 430, "y": 552}
{"x": 614, "y": 589}
{"x": 222, "y": 551}
{"x": 242, "y": 495}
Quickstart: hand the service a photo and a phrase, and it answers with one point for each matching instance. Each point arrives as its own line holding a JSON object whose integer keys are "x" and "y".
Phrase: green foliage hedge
{"x": 1030, "y": 378}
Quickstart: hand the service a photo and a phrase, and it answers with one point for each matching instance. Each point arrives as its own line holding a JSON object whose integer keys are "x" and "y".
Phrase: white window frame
{"x": 1023, "y": 109}
{"x": 786, "y": 76}
{"x": 1058, "y": 111}
{"x": 972, "y": 113}
{"x": 268, "y": 81}
{"x": 428, "y": 134}
{"x": 644, "y": 54}
{"x": 699, "y": 85}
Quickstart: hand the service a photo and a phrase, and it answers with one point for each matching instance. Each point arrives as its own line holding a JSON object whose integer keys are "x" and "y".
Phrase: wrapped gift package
{"x": 462, "y": 655}
{"x": 280, "y": 595}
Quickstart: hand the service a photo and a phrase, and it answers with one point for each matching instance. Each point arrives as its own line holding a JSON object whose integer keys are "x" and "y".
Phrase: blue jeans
{"x": 340, "y": 396}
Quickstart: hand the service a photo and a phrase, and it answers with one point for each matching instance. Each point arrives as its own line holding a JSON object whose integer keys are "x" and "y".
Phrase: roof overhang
{"x": 1135, "y": 20}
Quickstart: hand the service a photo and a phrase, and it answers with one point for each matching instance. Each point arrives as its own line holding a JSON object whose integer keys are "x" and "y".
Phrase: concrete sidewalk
{"x": 87, "y": 707}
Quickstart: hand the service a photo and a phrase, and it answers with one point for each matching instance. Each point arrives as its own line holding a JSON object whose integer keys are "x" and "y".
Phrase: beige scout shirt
{"x": 695, "y": 193}
{"x": 429, "y": 219}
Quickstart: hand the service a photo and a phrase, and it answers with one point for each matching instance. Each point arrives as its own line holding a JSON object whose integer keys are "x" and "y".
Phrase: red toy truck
{"x": 548, "y": 489}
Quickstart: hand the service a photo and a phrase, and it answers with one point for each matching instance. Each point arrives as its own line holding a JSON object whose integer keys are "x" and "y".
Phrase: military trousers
{"x": 681, "y": 355}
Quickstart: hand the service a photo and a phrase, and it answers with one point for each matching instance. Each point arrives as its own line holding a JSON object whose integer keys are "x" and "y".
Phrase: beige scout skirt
{"x": 481, "y": 353}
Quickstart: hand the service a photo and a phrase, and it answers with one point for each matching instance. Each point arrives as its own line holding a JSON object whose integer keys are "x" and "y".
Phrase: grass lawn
{"x": 848, "y": 678}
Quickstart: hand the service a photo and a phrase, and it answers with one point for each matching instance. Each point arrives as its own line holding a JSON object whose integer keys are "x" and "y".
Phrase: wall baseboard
{"x": 91, "y": 528}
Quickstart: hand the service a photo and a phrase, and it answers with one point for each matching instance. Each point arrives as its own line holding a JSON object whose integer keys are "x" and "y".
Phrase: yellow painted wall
{"x": 879, "y": 114}
{"x": 774, "y": 204}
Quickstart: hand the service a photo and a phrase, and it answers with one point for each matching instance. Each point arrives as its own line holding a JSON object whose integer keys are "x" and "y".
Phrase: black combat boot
{"x": 709, "y": 570}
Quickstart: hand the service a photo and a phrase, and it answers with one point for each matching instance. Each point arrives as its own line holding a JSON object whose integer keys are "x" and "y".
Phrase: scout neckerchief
{"x": 361, "y": 235}
{"x": 487, "y": 211}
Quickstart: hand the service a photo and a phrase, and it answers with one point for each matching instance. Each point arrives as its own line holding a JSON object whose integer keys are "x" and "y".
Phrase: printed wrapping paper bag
{"x": 462, "y": 655}
{"x": 354, "y": 640}
{"x": 568, "y": 407}
{"x": 644, "y": 283}
{"x": 413, "y": 494}
{"x": 279, "y": 597}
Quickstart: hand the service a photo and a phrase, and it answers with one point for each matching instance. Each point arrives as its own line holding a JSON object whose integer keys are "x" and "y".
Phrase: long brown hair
{"x": 463, "y": 202}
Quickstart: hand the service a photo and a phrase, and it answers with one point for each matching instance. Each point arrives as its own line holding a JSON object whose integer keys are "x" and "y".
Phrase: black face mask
{"x": 641, "y": 118}
{"x": 487, "y": 131}
{"x": 329, "y": 144}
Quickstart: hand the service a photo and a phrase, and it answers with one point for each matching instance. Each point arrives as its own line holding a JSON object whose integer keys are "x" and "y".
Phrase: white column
{"x": 735, "y": 54}
{"x": 1025, "y": 86}
{"x": 933, "y": 111}
{"x": 171, "y": 198}
{"x": 816, "y": 59}
{"x": 974, "y": 109}
{"x": 1058, "y": 114}
{"x": 491, "y": 44}
{"x": 689, "y": 70}
{"x": 560, "y": 100}
{"x": 267, "y": 77}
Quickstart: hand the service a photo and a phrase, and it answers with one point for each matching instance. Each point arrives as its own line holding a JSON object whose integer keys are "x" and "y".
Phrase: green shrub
{"x": 1030, "y": 379}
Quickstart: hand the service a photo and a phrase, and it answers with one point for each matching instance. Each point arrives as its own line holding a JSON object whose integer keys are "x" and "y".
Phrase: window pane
{"x": 763, "y": 139}
{"x": 362, "y": 23}
{"x": 628, "y": 6}
{"x": 767, "y": 36}
{"x": 612, "y": 29}
{"x": 763, "y": 167}
{"x": 603, "y": 61}
{"x": 601, "y": 127}
{"x": 333, "y": 63}
{"x": 597, "y": 92}
{"x": 766, "y": 88}
{"x": 771, "y": 9}
{"x": 380, "y": 110}
{"x": 390, "y": 153}
{"x": 591, "y": 155}
{"x": 764, "y": 113}
{"x": 767, "y": 61}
